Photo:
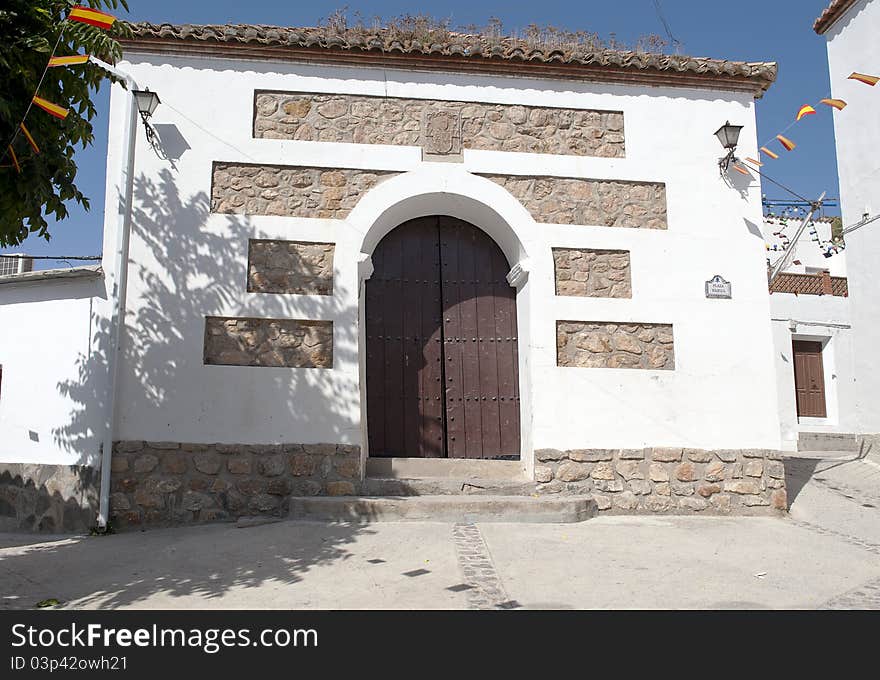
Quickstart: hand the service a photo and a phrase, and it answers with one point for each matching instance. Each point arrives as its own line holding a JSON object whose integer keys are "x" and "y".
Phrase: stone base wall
{"x": 166, "y": 483}
{"x": 48, "y": 498}
{"x": 668, "y": 480}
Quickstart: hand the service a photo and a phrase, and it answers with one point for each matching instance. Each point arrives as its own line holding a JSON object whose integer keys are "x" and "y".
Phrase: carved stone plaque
{"x": 441, "y": 132}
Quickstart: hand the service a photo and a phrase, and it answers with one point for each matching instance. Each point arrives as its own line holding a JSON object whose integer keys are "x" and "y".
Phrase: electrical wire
{"x": 672, "y": 39}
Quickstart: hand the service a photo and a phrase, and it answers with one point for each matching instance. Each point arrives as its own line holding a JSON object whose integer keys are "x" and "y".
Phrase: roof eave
{"x": 755, "y": 85}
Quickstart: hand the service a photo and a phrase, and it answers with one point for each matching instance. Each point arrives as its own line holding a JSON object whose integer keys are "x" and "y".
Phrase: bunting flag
{"x": 14, "y": 159}
{"x": 93, "y": 17}
{"x": 767, "y": 151}
{"x": 50, "y": 108}
{"x": 866, "y": 79}
{"x": 755, "y": 161}
{"x": 741, "y": 170}
{"x": 68, "y": 61}
{"x": 30, "y": 140}
{"x": 805, "y": 110}
{"x": 838, "y": 104}
{"x": 786, "y": 142}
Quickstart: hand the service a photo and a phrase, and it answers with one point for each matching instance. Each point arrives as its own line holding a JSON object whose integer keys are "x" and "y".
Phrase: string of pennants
{"x": 828, "y": 247}
{"x": 805, "y": 110}
{"x": 80, "y": 14}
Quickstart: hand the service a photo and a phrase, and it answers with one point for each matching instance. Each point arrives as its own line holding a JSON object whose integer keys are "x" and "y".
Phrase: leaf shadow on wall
{"x": 187, "y": 264}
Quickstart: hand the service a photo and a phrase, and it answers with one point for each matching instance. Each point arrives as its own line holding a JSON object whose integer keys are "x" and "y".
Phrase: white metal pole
{"x": 118, "y": 290}
{"x": 783, "y": 261}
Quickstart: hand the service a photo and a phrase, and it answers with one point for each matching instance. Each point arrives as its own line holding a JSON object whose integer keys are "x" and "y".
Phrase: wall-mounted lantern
{"x": 728, "y": 135}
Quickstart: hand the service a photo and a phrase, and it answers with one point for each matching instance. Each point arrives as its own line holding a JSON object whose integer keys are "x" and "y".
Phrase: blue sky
{"x": 753, "y": 30}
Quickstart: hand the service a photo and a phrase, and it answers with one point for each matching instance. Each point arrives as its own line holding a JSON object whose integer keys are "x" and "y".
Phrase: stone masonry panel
{"x": 591, "y": 344}
{"x": 585, "y": 272}
{"x": 295, "y": 267}
{"x": 668, "y": 480}
{"x": 165, "y": 483}
{"x": 293, "y": 343}
{"x": 595, "y": 202}
{"x": 289, "y": 190}
{"x": 438, "y": 126}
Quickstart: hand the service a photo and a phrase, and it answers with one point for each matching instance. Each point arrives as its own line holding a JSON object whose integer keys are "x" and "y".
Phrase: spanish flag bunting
{"x": 767, "y": 151}
{"x": 786, "y": 142}
{"x": 68, "y": 61}
{"x": 754, "y": 161}
{"x": 50, "y": 108}
{"x": 838, "y": 104}
{"x": 30, "y": 140}
{"x": 93, "y": 17}
{"x": 805, "y": 110}
{"x": 866, "y": 79}
{"x": 14, "y": 159}
{"x": 740, "y": 169}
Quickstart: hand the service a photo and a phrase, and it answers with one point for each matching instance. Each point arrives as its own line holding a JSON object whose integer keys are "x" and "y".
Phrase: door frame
{"x": 830, "y": 421}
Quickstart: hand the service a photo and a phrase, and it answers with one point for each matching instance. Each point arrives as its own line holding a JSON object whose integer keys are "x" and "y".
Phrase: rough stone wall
{"x": 293, "y": 343}
{"x": 289, "y": 190}
{"x": 593, "y": 344}
{"x": 592, "y": 273}
{"x": 604, "y": 203}
{"x": 48, "y": 498}
{"x": 668, "y": 480}
{"x": 295, "y": 267}
{"x": 382, "y": 120}
{"x": 162, "y": 483}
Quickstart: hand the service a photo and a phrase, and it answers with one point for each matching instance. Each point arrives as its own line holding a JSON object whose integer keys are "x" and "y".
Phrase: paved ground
{"x": 826, "y": 555}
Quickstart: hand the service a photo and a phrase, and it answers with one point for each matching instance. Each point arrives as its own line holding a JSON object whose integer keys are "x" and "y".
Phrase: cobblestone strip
{"x": 873, "y": 548}
{"x": 866, "y": 596}
{"x": 485, "y": 588}
{"x": 859, "y": 496}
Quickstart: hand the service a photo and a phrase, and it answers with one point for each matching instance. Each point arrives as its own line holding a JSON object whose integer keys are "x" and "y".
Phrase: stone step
{"x": 827, "y": 441}
{"x": 444, "y": 508}
{"x": 455, "y": 468}
{"x": 444, "y": 486}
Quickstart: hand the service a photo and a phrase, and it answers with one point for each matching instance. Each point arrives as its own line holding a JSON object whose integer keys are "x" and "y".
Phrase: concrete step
{"x": 444, "y": 508}
{"x": 445, "y": 486}
{"x": 827, "y": 441}
{"x": 822, "y": 455}
{"x": 455, "y": 468}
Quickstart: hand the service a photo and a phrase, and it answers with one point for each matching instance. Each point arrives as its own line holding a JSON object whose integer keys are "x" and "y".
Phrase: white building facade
{"x": 341, "y": 253}
{"x": 850, "y": 28}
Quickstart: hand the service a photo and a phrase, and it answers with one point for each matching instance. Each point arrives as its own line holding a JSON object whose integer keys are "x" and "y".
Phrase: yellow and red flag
{"x": 740, "y": 169}
{"x": 838, "y": 104}
{"x": 754, "y": 161}
{"x": 93, "y": 17}
{"x": 14, "y": 159}
{"x": 786, "y": 142}
{"x": 863, "y": 78}
{"x": 769, "y": 153}
{"x": 805, "y": 110}
{"x": 68, "y": 61}
{"x": 50, "y": 108}
{"x": 30, "y": 140}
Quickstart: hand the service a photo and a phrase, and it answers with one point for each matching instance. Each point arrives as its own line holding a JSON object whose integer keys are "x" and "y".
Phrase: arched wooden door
{"x": 442, "y": 365}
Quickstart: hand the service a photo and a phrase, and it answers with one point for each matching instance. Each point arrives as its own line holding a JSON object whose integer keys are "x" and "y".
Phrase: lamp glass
{"x": 146, "y": 101}
{"x": 728, "y": 135}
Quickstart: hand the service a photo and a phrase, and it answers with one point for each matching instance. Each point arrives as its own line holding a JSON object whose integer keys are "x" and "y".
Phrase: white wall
{"x": 806, "y": 251}
{"x": 186, "y": 264}
{"x": 853, "y": 46}
{"x": 48, "y": 397}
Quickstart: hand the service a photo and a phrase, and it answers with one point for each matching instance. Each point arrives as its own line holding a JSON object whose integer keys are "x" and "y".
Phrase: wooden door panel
{"x": 479, "y": 307}
{"x": 809, "y": 379}
{"x": 404, "y": 391}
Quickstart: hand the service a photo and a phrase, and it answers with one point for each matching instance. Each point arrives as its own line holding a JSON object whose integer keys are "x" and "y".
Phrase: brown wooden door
{"x": 442, "y": 365}
{"x": 809, "y": 379}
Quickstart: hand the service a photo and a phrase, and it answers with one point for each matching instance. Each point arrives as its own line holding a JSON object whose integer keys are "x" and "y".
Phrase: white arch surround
{"x": 448, "y": 189}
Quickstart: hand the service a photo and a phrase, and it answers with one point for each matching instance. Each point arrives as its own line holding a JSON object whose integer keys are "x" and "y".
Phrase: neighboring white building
{"x": 850, "y": 28}
{"x": 353, "y": 248}
{"x": 812, "y": 331}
